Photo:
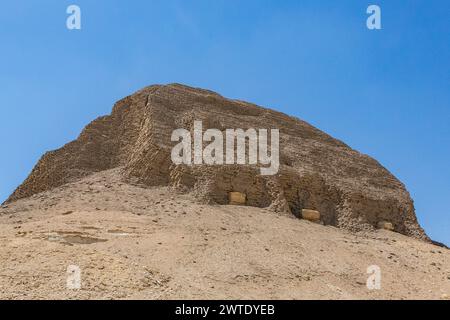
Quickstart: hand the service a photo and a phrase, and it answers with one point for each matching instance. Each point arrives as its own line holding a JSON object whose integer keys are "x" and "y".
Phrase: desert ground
{"x": 137, "y": 242}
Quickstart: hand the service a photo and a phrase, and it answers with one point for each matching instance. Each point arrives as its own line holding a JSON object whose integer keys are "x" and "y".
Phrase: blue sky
{"x": 385, "y": 92}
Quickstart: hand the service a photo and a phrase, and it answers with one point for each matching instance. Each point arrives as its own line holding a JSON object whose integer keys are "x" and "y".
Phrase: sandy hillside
{"x": 132, "y": 241}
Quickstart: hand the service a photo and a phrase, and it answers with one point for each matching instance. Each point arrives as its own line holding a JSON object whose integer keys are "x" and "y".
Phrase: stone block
{"x": 311, "y": 215}
{"x": 237, "y": 198}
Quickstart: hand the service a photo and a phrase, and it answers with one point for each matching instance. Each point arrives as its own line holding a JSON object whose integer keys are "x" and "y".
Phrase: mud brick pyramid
{"x": 317, "y": 172}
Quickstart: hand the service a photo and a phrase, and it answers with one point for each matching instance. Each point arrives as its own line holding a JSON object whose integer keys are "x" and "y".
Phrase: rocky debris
{"x": 386, "y": 225}
{"x": 237, "y": 198}
{"x": 311, "y": 215}
{"x": 349, "y": 189}
{"x": 228, "y": 252}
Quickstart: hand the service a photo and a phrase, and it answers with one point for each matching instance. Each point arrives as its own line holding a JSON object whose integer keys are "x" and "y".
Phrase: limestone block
{"x": 237, "y": 198}
{"x": 311, "y": 215}
{"x": 385, "y": 225}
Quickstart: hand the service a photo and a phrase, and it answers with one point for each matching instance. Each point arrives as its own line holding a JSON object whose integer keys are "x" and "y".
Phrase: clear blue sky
{"x": 385, "y": 93}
